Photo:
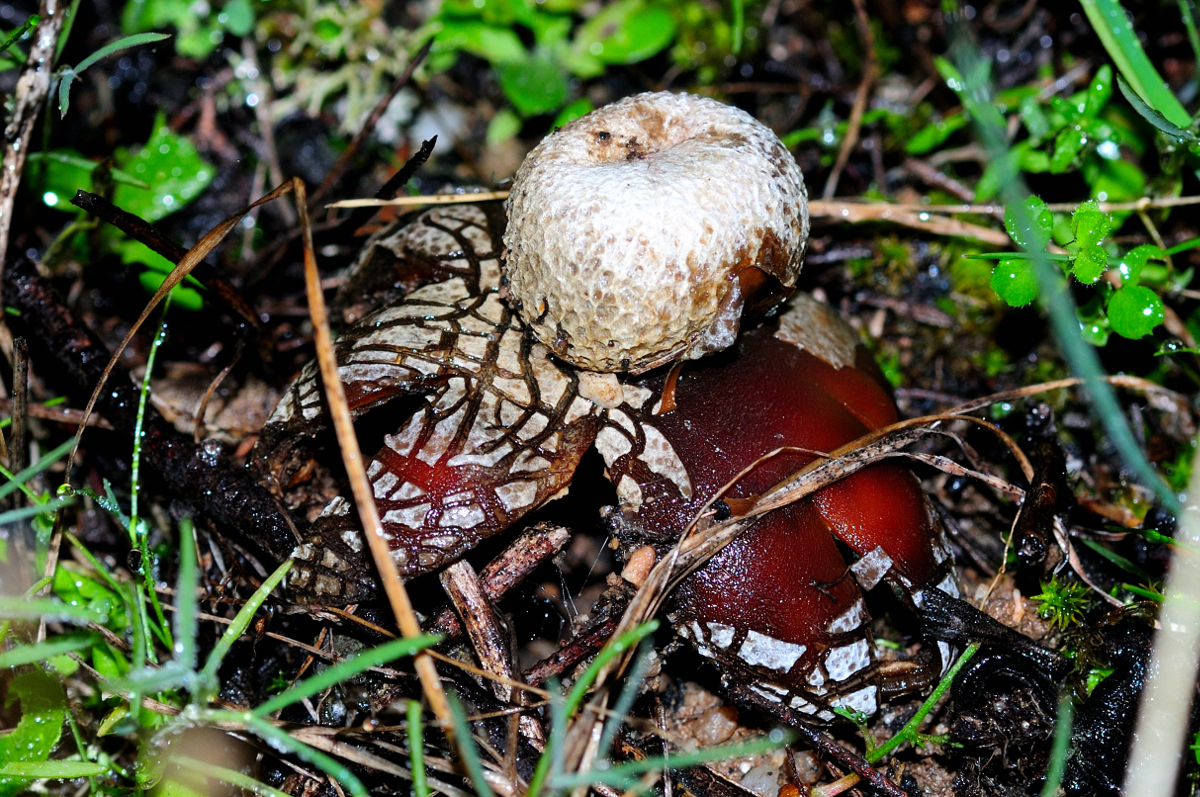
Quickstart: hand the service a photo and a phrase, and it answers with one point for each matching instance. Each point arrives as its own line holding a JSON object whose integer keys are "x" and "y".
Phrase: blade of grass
{"x": 279, "y": 739}
{"x": 208, "y": 681}
{"x": 16, "y": 35}
{"x": 625, "y": 775}
{"x": 231, "y": 776}
{"x": 416, "y": 749}
{"x": 58, "y": 770}
{"x": 1189, "y": 24}
{"x": 123, "y": 43}
{"x": 1111, "y": 24}
{"x": 51, "y": 610}
{"x": 909, "y": 732}
{"x": 96, "y": 565}
{"x": 570, "y": 705}
{"x": 739, "y": 25}
{"x": 28, "y": 654}
{"x": 68, "y": 25}
{"x": 185, "y": 597}
{"x": 135, "y": 533}
{"x": 49, "y": 459}
{"x": 21, "y": 513}
{"x": 1152, "y": 116}
{"x": 363, "y": 660}
{"x": 468, "y": 753}
{"x": 628, "y": 694}
{"x": 137, "y": 530}
{"x": 1060, "y": 750}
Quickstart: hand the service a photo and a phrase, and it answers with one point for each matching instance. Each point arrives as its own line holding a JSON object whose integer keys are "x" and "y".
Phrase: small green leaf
{"x": 1099, "y": 91}
{"x": 1134, "y": 311}
{"x": 43, "y": 709}
{"x": 79, "y": 587}
{"x": 1093, "y": 323}
{"x": 1042, "y": 219}
{"x": 580, "y": 107}
{"x": 64, "y": 91}
{"x": 496, "y": 45}
{"x": 535, "y": 86}
{"x": 626, "y": 32}
{"x": 170, "y": 164}
{"x": 1130, "y": 266}
{"x": 109, "y": 662}
{"x": 991, "y": 181}
{"x": 1090, "y": 224}
{"x": 1067, "y": 146}
{"x": 1034, "y": 118}
{"x": 504, "y": 125}
{"x": 238, "y": 17}
{"x": 1015, "y": 281}
{"x": 181, "y": 296}
{"x": 200, "y": 41}
{"x": 934, "y": 134}
{"x": 1090, "y": 264}
{"x": 1114, "y": 180}
{"x": 326, "y": 29}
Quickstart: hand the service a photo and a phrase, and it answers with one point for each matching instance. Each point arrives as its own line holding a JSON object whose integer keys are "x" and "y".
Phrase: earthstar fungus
{"x": 500, "y": 418}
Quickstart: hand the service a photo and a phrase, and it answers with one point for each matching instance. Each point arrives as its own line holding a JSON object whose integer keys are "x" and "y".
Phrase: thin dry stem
{"x": 352, "y": 458}
{"x": 854, "y": 124}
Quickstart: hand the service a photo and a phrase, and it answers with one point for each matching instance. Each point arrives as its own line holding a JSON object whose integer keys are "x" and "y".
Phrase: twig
{"x": 20, "y": 405}
{"x": 360, "y": 486}
{"x": 266, "y": 130}
{"x": 68, "y": 415}
{"x": 513, "y": 565}
{"x": 30, "y": 96}
{"x": 489, "y": 638}
{"x": 145, "y": 233}
{"x": 854, "y": 126}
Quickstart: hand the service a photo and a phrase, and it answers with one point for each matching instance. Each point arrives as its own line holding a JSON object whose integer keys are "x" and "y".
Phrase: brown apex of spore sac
{"x": 779, "y": 605}
{"x": 630, "y": 230}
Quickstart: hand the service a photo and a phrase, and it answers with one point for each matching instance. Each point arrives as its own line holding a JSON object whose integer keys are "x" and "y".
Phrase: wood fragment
{"x": 28, "y": 100}
{"x": 490, "y": 639}
{"x": 17, "y": 459}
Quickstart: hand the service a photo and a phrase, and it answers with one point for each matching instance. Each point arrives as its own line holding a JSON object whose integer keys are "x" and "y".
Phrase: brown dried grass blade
{"x": 352, "y": 458}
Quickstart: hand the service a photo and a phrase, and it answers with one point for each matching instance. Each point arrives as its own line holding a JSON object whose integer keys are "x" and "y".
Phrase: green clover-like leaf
{"x": 1090, "y": 264}
{"x": 1091, "y": 224}
{"x": 1130, "y": 266}
{"x": 1037, "y": 215}
{"x": 1015, "y": 281}
{"x": 1134, "y": 311}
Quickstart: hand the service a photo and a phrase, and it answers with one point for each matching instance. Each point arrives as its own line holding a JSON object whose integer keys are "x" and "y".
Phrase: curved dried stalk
{"x": 360, "y": 485}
